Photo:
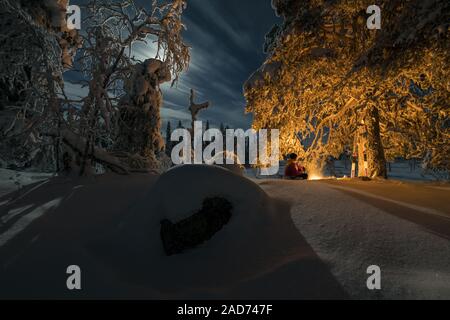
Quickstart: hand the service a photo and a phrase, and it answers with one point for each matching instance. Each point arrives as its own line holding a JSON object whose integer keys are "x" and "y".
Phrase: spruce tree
{"x": 168, "y": 141}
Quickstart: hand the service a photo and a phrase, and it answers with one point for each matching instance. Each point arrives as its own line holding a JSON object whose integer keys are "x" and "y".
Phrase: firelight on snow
{"x": 315, "y": 177}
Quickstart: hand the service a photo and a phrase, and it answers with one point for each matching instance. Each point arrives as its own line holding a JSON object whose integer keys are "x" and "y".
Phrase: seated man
{"x": 293, "y": 169}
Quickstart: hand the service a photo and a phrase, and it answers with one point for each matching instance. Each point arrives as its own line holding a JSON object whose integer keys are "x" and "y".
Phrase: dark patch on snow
{"x": 198, "y": 228}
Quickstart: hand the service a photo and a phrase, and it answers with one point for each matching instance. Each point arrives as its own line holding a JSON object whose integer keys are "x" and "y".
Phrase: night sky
{"x": 226, "y": 38}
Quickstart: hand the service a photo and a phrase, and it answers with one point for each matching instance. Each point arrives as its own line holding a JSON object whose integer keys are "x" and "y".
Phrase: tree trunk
{"x": 361, "y": 142}
{"x": 140, "y": 125}
{"x": 373, "y": 151}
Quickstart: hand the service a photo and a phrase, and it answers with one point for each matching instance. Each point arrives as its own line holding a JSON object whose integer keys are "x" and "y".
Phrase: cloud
{"x": 224, "y": 23}
{"x": 174, "y": 114}
{"x": 226, "y": 39}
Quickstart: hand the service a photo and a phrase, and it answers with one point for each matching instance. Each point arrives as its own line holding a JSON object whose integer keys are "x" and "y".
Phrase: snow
{"x": 193, "y": 183}
{"x": 109, "y": 225}
{"x": 285, "y": 240}
{"x": 11, "y": 180}
{"x": 249, "y": 250}
{"x": 404, "y": 204}
{"x": 14, "y": 212}
{"x": 351, "y": 235}
{"x": 26, "y": 220}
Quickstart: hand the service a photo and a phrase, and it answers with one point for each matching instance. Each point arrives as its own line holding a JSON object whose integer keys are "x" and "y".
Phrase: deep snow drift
{"x": 257, "y": 254}
{"x": 110, "y": 226}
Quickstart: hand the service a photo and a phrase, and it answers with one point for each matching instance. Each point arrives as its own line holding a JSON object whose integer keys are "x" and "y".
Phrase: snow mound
{"x": 253, "y": 246}
{"x": 235, "y": 168}
{"x": 110, "y": 225}
{"x": 191, "y": 184}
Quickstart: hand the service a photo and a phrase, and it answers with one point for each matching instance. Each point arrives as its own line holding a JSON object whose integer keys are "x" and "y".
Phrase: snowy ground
{"x": 286, "y": 239}
{"x": 350, "y": 235}
{"x": 11, "y": 180}
{"x": 403, "y": 170}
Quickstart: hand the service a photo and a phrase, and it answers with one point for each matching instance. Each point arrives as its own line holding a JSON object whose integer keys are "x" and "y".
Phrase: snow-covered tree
{"x": 36, "y": 48}
{"x": 332, "y": 83}
{"x": 121, "y": 111}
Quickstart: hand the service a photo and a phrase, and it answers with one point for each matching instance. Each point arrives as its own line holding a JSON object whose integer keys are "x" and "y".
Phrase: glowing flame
{"x": 315, "y": 177}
